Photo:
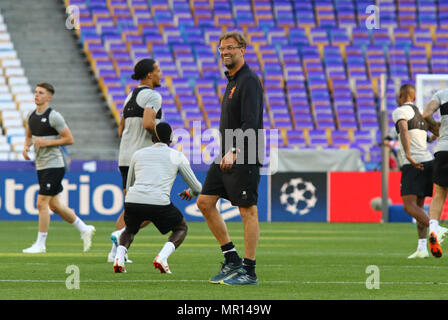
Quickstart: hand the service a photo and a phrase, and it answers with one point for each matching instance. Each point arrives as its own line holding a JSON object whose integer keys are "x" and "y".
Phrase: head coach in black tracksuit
{"x": 236, "y": 173}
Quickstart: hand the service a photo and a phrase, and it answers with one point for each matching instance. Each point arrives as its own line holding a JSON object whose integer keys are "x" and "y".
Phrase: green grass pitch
{"x": 295, "y": 261}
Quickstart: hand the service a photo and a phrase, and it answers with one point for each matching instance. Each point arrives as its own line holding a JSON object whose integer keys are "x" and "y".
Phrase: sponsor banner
{"x": 99, "y": 196}
{"x": 351, "y": 194}
{"x": 93, "y": 196}
{"x": 299, "y": 196}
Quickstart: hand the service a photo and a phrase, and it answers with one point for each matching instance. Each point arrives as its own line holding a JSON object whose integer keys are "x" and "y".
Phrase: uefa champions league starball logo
{"x": 298, "y": 196}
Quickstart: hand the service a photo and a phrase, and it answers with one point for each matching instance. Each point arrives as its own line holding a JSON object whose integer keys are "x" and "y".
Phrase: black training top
{"x": 242, "y": 108}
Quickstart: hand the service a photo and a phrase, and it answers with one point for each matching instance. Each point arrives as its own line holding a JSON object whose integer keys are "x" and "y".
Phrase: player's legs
{"x": 207, "y": 206}
{"x": 62, "y": 210}
{"x": 126, "y": 238}
{"x": 119, "y": 224}
{"x": 411, "y": 206}
{"x": 44, "y": 212}
{"x": 440, "y": 179}
{"x": 43, "y": 225}
{"x": 437, "y": 202}
{"x": 422, "y": 230}
{"x": 249, "y": 215}
{"x": 87, "y": 231}
{"x": 435, "y": 211}
{"x": 132, "y": 221}
{"x": 177, "y": 237}
{"x": 179, "y": 233}
{"x": 49, "y": 186}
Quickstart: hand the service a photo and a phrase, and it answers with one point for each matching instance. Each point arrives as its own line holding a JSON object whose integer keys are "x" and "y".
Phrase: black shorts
{"x": 417, "y": 182}
{"x": 124, "y": 175}
{"x": 165, "y": 218}
{"x": 440, "y": 172}
{"x": 50, "y": 181}
{"x": 239, "y": 185}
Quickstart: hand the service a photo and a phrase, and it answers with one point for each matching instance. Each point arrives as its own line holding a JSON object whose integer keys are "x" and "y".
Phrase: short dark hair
{"x": 163, "y": 133}
{"x": 142, "y": 68}
{"x": 46, "y": 86}
{"x": 407, "y": 90}
{"x": 238, "y": 37}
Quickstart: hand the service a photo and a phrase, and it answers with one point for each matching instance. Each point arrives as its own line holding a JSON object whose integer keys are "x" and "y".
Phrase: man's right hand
{"x": 25, "y": 151}
{"x": 415, "y": 164}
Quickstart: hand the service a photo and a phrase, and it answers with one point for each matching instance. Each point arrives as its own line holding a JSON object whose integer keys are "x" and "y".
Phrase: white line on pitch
{"x": 204, "y": 281}
{"x": 112, "y": 281}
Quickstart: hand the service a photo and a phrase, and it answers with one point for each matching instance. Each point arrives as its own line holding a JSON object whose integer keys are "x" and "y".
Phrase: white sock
{"x": 41, "y": 238}
{"x": 113, "y": 251}
{"x": 433, "y": 225}
{"x": 422, "y": 244}
{"x": 121, "y": 252}
{"x": 167, "y": 250}
{"x": 80, "y": 225}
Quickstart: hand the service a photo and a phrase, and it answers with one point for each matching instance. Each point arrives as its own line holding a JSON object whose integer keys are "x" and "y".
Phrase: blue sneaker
{"x": 228, "y": 270}
{"x": 240, "y": 279}
{"x": 114, "y": 237}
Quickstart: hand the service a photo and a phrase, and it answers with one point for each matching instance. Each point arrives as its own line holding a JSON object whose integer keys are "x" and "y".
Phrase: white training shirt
{"x": 152, "y": 172}
{"x": 134, "y": 136}
{"x": 441, "y": 97}
{"x": 417, "y": 138}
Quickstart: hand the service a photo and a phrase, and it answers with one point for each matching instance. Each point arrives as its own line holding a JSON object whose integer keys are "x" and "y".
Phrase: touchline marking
{"x": 124, "y": 281}
{"x": 385, "y": 282}
{"x": 202, "y": 281}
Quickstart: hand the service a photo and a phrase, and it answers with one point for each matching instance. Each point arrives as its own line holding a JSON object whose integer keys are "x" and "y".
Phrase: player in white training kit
{"x": 415, "y": 163}
{"x": 152, "y": 172}
{"x": 47, "y": 130}
{"x": 142, "y": 111}
{"x": 440, "y": 171}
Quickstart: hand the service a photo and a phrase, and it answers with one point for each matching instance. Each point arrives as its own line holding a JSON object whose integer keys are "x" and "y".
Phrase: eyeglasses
{"x": 230, "y": 48}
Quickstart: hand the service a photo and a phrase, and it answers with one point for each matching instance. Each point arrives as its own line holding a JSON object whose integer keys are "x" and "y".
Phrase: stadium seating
{"x": 319, "y": 64}
{"x": 16, "y": 99}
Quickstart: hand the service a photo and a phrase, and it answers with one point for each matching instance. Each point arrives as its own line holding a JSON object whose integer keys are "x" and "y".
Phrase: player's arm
{"x": 149, "y": 119}
{"x": 152, "y": 102}
{"x": 405, "y": 142}
{"x": 58, "y": 123}
{"x": 28, "y": 143}
{"x": 65, "y": 140}
{"x": 195, "y": 187}
{"x": 121, "y": 127}
{"x": 428, "y": 113}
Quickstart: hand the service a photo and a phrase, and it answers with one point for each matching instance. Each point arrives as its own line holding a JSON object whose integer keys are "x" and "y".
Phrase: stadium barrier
{"x": 94, "y": 191}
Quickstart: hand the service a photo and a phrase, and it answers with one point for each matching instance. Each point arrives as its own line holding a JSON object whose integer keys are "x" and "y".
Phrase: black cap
{"x": 164, "y": 132}
{"x": 142, "y": 68}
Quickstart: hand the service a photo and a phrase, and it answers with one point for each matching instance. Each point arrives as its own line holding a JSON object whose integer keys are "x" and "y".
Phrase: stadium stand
{"x": 58, "y": 59}
{"x": 319, "y": 64}
{"x": 16, "y": 98}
